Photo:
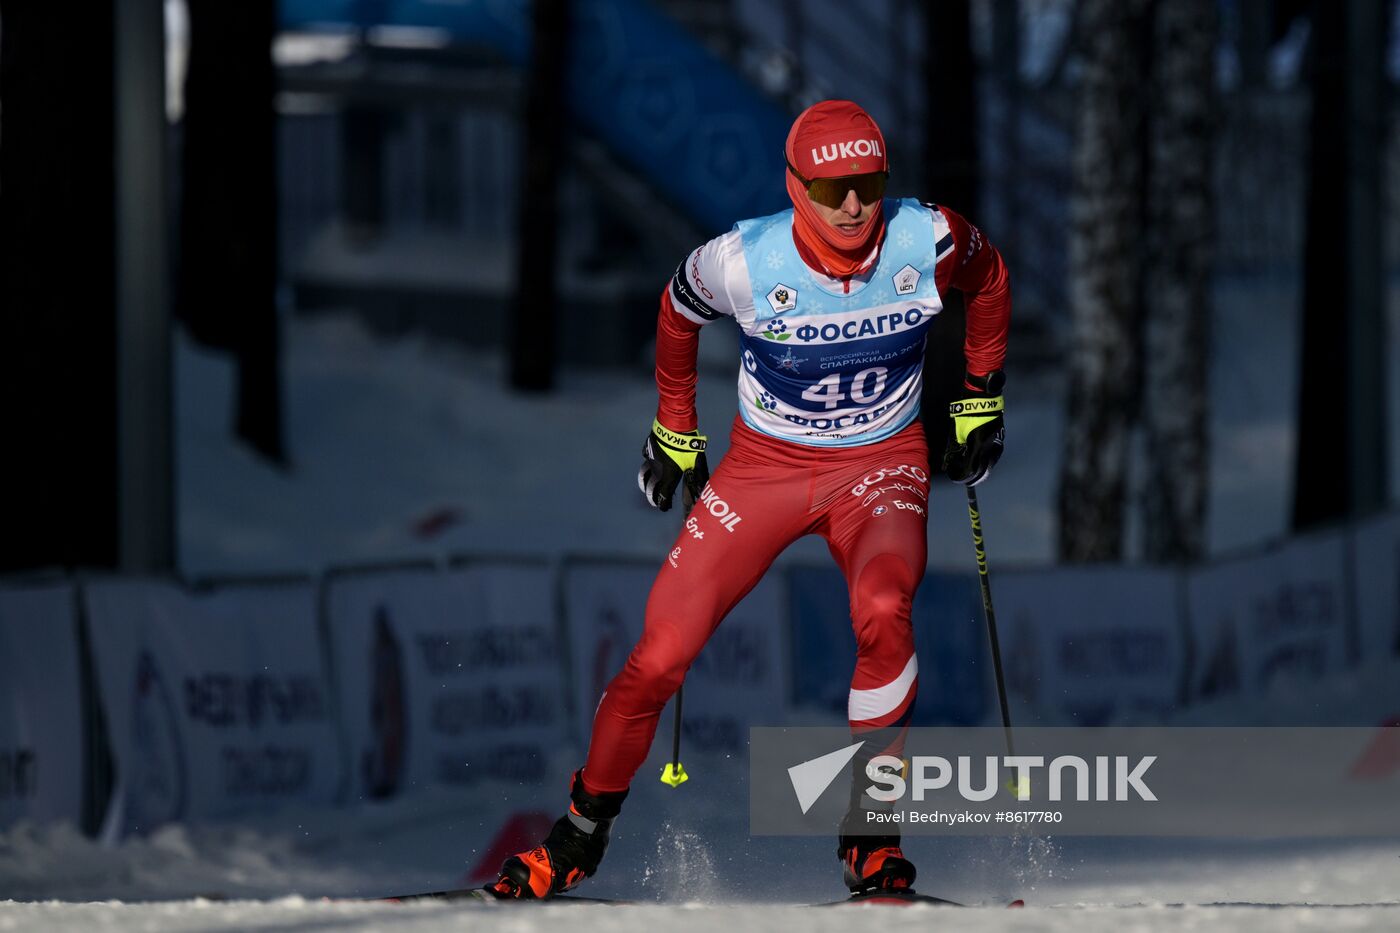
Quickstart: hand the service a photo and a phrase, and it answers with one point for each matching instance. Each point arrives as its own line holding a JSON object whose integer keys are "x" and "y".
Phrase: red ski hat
{"x": 833, "y": 138}
{"x": 830, "y": 139}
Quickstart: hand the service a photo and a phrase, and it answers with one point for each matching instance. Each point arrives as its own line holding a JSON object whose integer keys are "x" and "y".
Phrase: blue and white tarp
{"x": 1376, "y": 565}
{"x": 41, "y": 722}
{"x": 1269, "y": 619}
{"x": 1093, "y": 645}
{"x": 446, "y": 678}
{"x": 217, "y": 702}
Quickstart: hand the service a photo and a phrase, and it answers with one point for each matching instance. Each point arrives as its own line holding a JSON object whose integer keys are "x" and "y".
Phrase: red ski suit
{"x": 869, "y": 502}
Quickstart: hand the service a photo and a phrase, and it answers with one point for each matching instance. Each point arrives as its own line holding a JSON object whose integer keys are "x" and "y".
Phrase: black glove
{"x": 668, "y": 458}
{"x": 979, "y": 432}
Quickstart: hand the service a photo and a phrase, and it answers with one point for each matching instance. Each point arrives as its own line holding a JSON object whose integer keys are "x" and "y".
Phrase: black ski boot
{"x": 871, "y": 862}
{"x": 570, "y": 853}
{"x": 874, "y": 863}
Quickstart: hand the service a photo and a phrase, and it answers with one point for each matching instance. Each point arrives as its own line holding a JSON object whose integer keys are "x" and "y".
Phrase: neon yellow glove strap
{"x": 971, "y": 413}
{"x": 681, "y": 448}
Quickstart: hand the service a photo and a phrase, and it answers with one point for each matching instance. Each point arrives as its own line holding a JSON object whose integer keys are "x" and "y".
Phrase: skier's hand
{"x": 979, "y": 432}
{"x": 668, "y": 459}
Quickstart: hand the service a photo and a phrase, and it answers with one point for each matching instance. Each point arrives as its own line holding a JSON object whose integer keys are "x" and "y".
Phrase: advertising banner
{"x": 446, "y": 678}
{"x": 1376, "y": 564}
{"x": 640, "y": 82}
{"x": 1091, "y": 646}
{"x": 1274, "y": 617}
{"x": 740, "y": 678}
{"x": 41, "y": 721}
{"x": 217, "y": 701}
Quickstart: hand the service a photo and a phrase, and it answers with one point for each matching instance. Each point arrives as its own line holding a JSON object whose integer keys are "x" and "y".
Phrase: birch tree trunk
{"x": 1105, "y": 248}
{"x": 1181, "y": 216}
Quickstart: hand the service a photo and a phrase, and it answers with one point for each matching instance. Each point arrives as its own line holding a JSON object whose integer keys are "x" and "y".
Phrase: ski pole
{"x": 674, "y": 773}
{"x": 980, "y": 547}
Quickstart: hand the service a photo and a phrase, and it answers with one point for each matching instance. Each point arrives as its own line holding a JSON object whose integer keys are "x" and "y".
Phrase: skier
{"x": 833, "y": 298}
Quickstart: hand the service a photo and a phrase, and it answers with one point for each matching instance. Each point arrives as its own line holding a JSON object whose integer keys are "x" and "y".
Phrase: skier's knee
{"x": 660, "y": 671}
{"x": 881, "y": 603}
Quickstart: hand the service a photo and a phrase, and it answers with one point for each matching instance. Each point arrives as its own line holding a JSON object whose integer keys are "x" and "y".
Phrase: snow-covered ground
{"x": 297, "y": 914}
{"x": 686, "y": 858}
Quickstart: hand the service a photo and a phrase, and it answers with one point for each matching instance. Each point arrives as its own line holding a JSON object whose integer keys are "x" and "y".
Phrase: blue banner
{"x": 680, "y": 117}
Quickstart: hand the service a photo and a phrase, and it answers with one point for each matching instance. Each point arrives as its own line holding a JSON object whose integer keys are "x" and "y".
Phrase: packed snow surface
{"x": 685, "y": 857}
{"x": 688, "y": 879}
{"x": 298, "y": 913}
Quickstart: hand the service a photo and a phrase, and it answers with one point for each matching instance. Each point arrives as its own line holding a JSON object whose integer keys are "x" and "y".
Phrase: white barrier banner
{"x": 739, "y": 680}
{"x": 1377, "y": 567}
{"x": 1091, "y": 646}
{"x": 1279, "y": 616}
{"x": 446, "y": 677}
{"x": 41, "y": 720}
{"x": 217, "y": 702}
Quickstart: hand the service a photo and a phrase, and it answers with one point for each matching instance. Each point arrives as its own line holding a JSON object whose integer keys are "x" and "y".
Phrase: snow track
{"x": 688, "y": 860}
{"x": 295, "y": 913}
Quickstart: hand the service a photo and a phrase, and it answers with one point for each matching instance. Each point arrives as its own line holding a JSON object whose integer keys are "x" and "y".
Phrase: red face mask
{"x": 832, "y": 139}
